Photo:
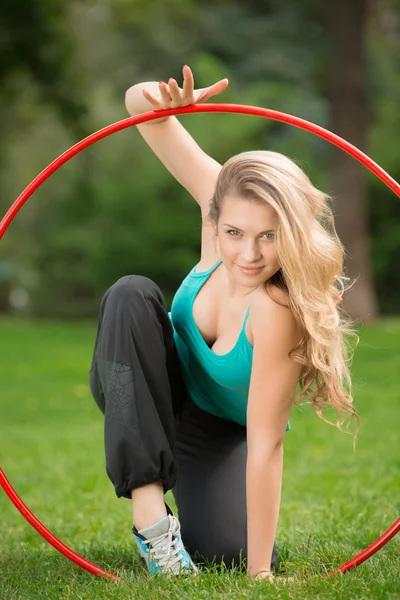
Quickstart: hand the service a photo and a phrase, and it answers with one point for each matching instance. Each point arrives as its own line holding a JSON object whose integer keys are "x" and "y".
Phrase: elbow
{"x": 265, "y": 450}
{"x": 129, "y": 100}
{"x": 265, "y": 439}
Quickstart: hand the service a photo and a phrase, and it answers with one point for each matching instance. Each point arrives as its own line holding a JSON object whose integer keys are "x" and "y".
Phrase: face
{"x": 247, "y": 240}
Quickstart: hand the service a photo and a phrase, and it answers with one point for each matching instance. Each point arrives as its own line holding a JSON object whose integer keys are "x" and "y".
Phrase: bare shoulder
{"x": 275, "y": 372}
{"x": 272, "y": 319}
{"x": 277, "y": 294}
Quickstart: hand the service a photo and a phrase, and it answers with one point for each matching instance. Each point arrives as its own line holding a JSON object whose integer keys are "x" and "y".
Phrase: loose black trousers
{"x": 154, "y": 432}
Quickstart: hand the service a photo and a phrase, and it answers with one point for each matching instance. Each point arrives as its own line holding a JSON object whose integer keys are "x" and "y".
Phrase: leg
{"x": 135, "y": 380}
{"x": 211, "y": 487}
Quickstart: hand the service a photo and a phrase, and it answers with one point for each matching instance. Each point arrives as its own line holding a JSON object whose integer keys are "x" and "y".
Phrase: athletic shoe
{"x": 162, "y": 549}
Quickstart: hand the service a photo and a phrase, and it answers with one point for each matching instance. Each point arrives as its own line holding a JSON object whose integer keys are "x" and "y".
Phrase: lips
{"x": 250, "y": 270}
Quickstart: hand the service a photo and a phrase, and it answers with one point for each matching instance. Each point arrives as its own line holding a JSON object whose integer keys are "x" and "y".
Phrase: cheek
{"x": 276, "y": 259}
{"x": 227, "y": 247}
{"x": 273, "y": 255}
{"x": 270, "y": 250}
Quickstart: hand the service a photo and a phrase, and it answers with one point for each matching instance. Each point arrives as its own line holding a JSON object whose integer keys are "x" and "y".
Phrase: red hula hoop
{"x": 47, "y": 535}
{"x": 129, "y": 122}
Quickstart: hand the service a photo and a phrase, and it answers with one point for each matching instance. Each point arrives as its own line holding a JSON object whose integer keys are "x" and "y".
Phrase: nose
{"x": 251, "y": 252}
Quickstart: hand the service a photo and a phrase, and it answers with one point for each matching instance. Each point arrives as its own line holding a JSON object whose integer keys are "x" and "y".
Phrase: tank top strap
{"x": 205, "y": 273}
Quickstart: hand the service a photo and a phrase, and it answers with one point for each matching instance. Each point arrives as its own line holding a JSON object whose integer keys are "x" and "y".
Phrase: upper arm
{"x": 183, "y": 158}
{"x": 274, "y": 374}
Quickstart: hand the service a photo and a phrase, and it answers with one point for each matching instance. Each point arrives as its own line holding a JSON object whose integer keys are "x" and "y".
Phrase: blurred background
{"x": 113, "y": 210}
{"x": 65, "y": 66}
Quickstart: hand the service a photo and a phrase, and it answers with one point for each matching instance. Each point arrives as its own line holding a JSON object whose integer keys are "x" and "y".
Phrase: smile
{"x": 250, "y": 270}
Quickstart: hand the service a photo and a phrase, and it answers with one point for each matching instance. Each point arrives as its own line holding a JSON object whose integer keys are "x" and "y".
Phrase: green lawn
{"x": 335, "y": 501}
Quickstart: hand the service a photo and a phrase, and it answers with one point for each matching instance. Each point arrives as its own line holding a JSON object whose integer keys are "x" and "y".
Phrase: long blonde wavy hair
{"x": 310, "y": 256}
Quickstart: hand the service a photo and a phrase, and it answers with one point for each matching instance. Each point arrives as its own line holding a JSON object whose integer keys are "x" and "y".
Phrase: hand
{"x": 172, "y": 96}
{"x": 269, "y": 575}
{"x": 265, "y": 575}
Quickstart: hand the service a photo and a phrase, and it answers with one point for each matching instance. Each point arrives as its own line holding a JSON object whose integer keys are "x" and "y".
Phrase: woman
{"x": 198, "y": 400}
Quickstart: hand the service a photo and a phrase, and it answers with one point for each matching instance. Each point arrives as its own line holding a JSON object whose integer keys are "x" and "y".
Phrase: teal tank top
{"x": 217, "y": 383}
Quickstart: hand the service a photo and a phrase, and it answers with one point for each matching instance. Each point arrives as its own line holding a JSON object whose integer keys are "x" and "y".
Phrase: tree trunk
{"x": 349, "y": 117}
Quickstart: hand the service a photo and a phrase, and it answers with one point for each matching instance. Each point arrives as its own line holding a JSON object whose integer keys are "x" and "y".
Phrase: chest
{"x": 220, "y": 319}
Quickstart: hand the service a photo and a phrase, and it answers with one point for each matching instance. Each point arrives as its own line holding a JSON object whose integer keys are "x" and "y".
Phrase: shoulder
{"x": 274, "y": 372}
{"x": 272, "y": 319}
{"x": 208, "y": 262}
{"x": 277, "y": 294}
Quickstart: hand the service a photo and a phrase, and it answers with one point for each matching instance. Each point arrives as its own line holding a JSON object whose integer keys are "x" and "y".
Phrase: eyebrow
{"x": 238, "y": 229}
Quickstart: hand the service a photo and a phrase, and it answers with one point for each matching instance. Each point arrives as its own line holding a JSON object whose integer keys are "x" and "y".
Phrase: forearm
{"x": 136, "y": 103}
{"x": 263, "y": 492}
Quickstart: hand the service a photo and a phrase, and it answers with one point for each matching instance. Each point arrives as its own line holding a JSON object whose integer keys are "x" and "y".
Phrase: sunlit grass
{"x": 335, "y": 501}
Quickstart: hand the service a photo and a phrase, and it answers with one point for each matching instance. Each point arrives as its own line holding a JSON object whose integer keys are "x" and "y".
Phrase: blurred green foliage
{"x": 114, "y": 209}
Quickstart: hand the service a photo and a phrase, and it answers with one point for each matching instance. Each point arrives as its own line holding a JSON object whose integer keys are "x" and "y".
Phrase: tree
{"x": 349, "y": 118}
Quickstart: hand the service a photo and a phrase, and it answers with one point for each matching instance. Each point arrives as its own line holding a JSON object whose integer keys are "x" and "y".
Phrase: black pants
{"x": 154, "y": 432}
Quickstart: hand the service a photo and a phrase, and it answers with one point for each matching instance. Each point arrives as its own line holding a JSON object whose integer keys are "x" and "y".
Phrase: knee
{"x": 233, "y": 554}
{"x": 130, "y": 287}
{"x": 229, "y": 557}
{"x": 214, "y": 542}
{"x": 215, "y": 546}
{"x": 133, "y": 284}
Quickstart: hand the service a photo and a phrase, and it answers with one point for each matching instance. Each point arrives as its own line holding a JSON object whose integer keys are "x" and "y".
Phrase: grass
{"x": 335, "y": 502}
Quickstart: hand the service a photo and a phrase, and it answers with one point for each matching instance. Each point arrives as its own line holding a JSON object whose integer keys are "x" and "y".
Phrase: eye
{"x": 233, "y": 232}
{"x": 269, "y": 234}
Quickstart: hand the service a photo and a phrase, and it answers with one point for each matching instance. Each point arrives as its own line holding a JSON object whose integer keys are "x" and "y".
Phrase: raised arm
{"x": 272, "y": 386}
{"x": 169, "y": 140}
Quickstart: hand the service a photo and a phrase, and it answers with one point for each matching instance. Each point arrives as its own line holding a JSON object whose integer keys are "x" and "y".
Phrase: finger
{"x": 264, "y": 575}
{"x": 215, "y": 89}
{"x": 154, "y": 101}
{"x": 188, "y": 83}
{"x": 164, "y": 89}
{"x": 270, "y": 579}
{"x": 175, "y": 91}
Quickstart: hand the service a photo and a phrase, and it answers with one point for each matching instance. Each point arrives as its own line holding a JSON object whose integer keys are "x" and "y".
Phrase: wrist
{"x": 137, "y": 104}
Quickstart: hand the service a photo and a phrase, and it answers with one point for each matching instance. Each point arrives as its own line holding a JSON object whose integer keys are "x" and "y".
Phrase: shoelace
{"x": 164, "y": 548}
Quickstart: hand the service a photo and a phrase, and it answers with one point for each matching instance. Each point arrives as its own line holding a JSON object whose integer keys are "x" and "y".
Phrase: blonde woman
{"x": 198, "y": 400}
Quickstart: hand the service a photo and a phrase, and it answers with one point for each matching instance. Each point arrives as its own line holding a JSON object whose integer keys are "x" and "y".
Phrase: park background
{"x": 115, "y": 210}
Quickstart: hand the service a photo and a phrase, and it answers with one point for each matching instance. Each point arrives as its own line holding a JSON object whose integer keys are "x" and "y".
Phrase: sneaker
{"x": 162, "y": 549}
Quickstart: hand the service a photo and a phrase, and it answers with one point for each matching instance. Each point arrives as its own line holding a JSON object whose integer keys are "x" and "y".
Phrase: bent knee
{"x": 229, "y": 556}
{"x": 232, "y": 555}
{"x": 130, "y": 286}
{"x": 213, "y": 546}
{"x": 133, "y": 283}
